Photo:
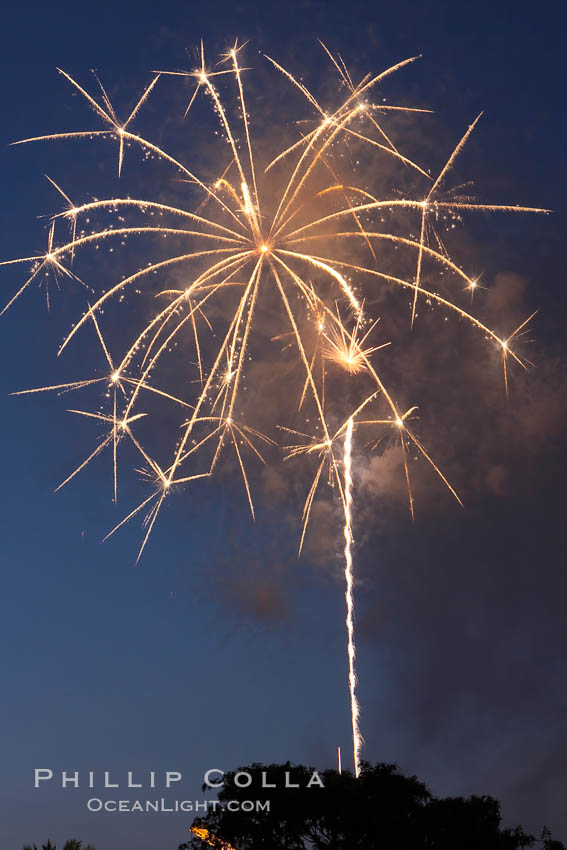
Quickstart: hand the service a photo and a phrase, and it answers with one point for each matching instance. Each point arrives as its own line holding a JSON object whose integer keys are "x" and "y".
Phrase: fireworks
{"x": 314, "y": 247}
{"x": 210, "y": 838}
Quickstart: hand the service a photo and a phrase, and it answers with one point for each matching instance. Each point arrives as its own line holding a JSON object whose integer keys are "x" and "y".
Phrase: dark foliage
{"x": 381, "y": 810}
{"x": 71, "y": 844}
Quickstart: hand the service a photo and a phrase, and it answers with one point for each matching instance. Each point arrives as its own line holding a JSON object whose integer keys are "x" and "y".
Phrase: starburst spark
{"x": 294, "y": 236}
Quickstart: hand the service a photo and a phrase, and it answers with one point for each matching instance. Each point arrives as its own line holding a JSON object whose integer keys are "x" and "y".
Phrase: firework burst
{"x": 314, "y": 246}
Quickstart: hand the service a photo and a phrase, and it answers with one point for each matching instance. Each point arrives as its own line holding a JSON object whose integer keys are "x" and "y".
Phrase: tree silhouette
{"x": 381, "y": 810}
{"x": 71, "y": 844}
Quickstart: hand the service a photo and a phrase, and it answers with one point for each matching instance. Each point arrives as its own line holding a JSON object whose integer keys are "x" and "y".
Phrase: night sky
{"x": 220, "y": 648}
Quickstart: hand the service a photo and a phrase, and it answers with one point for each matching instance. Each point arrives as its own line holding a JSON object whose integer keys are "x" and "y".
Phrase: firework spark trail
{"x": 357, "y": 740}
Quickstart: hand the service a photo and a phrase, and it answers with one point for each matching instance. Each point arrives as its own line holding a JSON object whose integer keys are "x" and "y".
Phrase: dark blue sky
{"x": 108, "y": 665}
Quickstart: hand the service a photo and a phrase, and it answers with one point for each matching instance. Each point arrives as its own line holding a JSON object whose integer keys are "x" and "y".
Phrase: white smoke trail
{"x": 354, "y": 706}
